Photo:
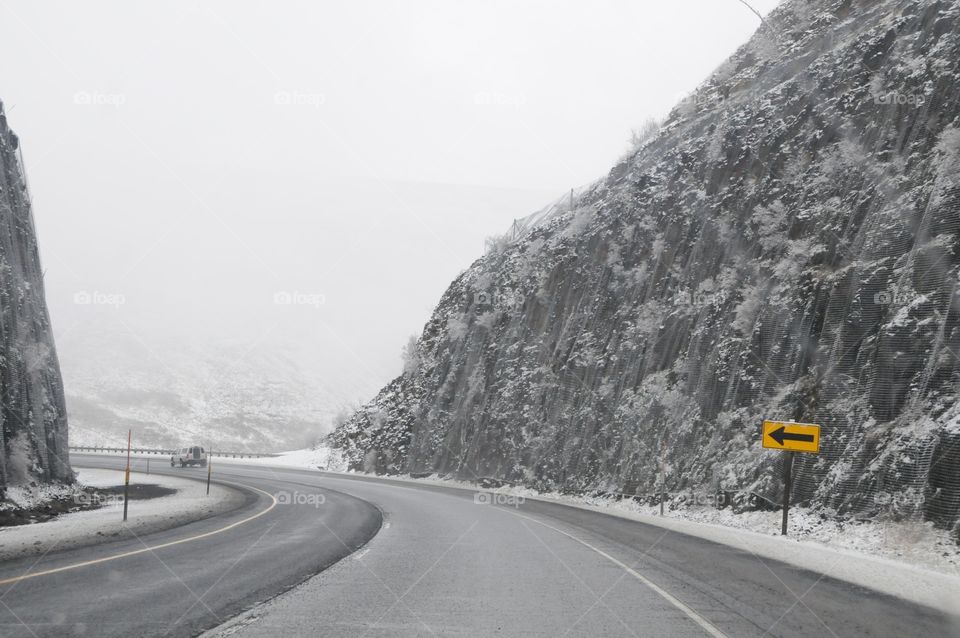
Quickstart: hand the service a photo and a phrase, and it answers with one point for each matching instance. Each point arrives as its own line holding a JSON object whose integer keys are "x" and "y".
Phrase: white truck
{"x": 185, "y": 456}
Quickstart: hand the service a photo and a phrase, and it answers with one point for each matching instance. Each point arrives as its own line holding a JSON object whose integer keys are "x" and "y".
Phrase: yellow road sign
{"x": 793, "y": 437}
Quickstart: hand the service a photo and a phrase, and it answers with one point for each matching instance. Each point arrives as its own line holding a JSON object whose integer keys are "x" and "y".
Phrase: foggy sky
{"x": 194, "y": 166}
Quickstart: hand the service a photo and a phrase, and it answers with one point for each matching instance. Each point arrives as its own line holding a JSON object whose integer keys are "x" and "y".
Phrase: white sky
{"x": 166, "y": 166}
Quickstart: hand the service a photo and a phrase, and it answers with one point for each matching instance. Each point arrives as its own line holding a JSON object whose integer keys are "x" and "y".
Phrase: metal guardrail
{"x": 170, "y": 452}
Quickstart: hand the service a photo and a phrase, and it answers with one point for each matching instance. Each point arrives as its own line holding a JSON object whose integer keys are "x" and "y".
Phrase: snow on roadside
{"x": 320, "y": 458}
{"x": 915, "y": 543}
{"x": 76, "y": 529}
{"x": 849, "y": 554}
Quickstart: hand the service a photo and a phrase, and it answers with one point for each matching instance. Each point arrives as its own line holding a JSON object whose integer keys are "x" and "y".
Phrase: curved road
{"x": 440, "y": 564}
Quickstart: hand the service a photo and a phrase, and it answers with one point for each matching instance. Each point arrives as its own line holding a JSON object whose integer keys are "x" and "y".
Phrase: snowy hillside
{"x": 228, "y": 397}
{"x": 785, "y": 247}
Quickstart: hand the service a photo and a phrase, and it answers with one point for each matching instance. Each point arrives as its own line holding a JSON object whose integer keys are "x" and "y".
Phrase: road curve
{"x": 443, "y": 565}
{"x": 440, "y": 565}
{"x": 184, "y": 580}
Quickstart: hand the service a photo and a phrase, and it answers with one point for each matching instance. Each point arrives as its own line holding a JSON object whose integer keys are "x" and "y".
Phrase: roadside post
{"x": 126, "y": 478}
{"x": 663, "y": 447}
{"x": 209, "y": 470}
{"x": 790, "y": 438}
{"x": 787, "y": 490}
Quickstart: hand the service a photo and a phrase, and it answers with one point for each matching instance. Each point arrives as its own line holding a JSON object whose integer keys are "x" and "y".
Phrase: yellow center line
{"x": 151, "y": 548}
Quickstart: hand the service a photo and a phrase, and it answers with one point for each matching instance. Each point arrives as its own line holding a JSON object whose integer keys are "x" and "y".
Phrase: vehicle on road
{"x": 185, "y": 456}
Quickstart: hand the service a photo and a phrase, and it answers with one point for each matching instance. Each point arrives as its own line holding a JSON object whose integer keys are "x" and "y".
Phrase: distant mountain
{"x": 32, "y": 413}
{"x": 226, "y": 396}
{"x": 785, "y": 247}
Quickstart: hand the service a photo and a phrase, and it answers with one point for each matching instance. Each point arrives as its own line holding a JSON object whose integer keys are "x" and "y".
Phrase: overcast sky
{"x": 198, "y": 161}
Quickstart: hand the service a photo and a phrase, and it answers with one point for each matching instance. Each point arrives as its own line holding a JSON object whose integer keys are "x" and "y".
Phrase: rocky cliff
{"x": 32, "y": 410}
{"x": 786, "y": 246}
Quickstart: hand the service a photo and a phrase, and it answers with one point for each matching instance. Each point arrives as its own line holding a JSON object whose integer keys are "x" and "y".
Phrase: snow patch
{"x": 90, "y": 527}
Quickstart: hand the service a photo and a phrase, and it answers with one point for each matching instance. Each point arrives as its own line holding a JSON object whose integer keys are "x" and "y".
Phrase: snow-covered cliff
{"x": 32, "y": 410}
{"x": 785, "y": 247}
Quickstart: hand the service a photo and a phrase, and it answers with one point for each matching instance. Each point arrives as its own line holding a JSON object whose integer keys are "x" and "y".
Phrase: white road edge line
{"x": 670, "y": 598}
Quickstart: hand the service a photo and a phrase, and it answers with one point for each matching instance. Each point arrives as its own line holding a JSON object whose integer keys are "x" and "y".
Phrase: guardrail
{"x": 170, "y": 452}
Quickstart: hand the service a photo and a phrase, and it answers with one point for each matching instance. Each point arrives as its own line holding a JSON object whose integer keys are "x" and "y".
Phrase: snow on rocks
{"x": 30, "y": 496}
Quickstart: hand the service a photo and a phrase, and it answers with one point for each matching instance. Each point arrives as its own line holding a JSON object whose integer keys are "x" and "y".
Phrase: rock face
{"x": 785, "y": 247}
{"x": 32, "y": 411}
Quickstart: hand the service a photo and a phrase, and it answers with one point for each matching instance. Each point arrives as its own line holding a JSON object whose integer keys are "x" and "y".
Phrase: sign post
{"x": 126, "y": 477}
{"x": 209, "y": 469}
{"x": 787, "y": 488}
{"x": 790, "y": 437}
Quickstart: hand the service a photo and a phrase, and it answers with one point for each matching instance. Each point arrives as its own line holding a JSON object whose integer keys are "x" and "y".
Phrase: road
{"x": 440, "y": 564}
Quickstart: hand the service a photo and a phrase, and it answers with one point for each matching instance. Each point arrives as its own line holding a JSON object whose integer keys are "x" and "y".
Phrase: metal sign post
{"x": 787, "y": 488}
{"x": 126, "y": 478}
{"x": 789, "y": 437}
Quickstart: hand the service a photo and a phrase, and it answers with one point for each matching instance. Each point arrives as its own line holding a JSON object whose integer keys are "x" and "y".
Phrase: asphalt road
{"x": 182, "y": 589}
{"x": 442, "y": 565}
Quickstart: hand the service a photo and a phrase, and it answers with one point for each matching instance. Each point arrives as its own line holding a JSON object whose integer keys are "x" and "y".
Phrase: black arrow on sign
{"x": 780, "y": 435}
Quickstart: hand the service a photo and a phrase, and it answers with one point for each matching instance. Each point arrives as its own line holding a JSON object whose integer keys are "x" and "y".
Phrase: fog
{"x": 308, "y": 177}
